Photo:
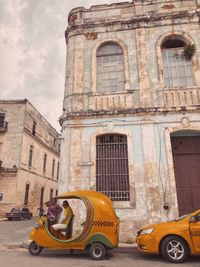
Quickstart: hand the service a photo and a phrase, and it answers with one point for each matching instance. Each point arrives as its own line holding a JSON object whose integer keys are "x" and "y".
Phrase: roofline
{"x": 14, "y": 101}
{"x": 100, "y": 6}
{"x": 26, "y": 101}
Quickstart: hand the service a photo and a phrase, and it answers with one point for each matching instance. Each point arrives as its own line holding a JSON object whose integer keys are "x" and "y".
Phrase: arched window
{"x": 110, "y": 68}
{"x": 177, "y": 67}
{"x": 112, "y": 174}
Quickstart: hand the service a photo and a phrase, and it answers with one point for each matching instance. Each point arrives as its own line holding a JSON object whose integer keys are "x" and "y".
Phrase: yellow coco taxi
{"x": 99, "y": 231}
{"x": 175, "y": 240}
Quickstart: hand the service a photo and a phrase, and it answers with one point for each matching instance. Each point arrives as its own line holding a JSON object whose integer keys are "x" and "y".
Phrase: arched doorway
{"x": 186, "y": 158}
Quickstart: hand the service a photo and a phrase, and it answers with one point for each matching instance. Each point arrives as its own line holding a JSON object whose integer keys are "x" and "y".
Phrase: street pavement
{"x": 12, "y": 252}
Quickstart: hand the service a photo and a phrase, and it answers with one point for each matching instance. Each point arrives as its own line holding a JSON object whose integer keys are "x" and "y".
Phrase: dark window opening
{"x": 26, "y": 194}
{"x": 58, "y": 167}
{"x": 2, "y": 118}
{"x": 173, "y": 43}
{"x": 112, "y": 174}
{"x": 44, "y": 163}
{"x": 41, "y": 196}
{"x": 53, "y": 167}
{"x": 34, "y": 128}
{"x": 3, "y": 123}
{"x": 30, "y": 156}
{"x": 51, "y": 193}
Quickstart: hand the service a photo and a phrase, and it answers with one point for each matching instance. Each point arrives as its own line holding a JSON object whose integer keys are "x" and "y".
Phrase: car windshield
{"x": 185, "y": 215}
{"x": 181, "y": 217}
{"x": 15, "y": 210}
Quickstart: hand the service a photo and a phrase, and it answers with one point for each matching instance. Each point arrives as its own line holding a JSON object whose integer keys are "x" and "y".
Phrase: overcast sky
{"x": 32, "y": 51}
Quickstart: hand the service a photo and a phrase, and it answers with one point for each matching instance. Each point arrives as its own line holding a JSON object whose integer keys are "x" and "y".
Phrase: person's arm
{"x": 58, "y": 209}
{"x": 64, "y": 216}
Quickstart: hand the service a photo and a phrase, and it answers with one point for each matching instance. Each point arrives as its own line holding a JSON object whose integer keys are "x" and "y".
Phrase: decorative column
{"x": 144, "y": 83}
{"x": 153, "y": 190}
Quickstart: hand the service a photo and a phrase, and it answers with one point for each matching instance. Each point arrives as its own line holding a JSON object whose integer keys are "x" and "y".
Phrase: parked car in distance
{"x": 19, "y": 214}
{"x": 175, "y": 240}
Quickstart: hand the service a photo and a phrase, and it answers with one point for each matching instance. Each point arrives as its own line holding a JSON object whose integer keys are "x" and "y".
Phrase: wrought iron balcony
{"x": 3, "y": 126}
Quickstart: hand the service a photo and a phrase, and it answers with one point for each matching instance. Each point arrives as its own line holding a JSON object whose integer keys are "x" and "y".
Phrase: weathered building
{"x": 130, "y": 122}
{"x": 29, "y": 157}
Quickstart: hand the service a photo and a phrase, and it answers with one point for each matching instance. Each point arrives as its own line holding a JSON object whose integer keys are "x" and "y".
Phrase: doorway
{"x": 186, "y": 158}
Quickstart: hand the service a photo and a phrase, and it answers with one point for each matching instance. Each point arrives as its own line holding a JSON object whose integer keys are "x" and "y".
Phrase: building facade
{"x": 29, "y": 157}
{"x": 130, "y": 122}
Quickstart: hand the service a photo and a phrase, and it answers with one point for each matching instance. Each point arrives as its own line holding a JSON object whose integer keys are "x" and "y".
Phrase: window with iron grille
{"x": 2, "y": 117}
{"x": 112, "y": 175}
{"x": 177, "y": 68}
{"x": 110, "y": 68}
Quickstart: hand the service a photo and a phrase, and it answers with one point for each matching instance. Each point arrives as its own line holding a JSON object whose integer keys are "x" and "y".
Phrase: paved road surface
{"x": 12, "y": 234}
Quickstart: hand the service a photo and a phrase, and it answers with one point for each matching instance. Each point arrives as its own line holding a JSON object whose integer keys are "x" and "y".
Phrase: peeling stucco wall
{"x": 146, "y": 111}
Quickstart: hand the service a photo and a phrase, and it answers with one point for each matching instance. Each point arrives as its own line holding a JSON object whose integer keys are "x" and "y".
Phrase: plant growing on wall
{"x": 189, "y": 50}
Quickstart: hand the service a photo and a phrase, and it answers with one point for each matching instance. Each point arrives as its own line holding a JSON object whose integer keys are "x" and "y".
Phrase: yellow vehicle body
{"x": 175, "y": 240}
{"x": 101, "y": 225}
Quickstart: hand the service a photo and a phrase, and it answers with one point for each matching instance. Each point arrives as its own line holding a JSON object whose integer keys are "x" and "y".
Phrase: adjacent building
{"x": 29, "y": 157}
{"x": 131, "y": 109}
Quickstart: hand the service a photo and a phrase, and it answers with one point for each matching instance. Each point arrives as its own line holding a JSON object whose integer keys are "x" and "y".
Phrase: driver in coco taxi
{"x": 64, "y": 220}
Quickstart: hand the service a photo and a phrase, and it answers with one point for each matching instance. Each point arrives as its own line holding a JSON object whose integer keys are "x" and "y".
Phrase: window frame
{"x": 195, "y": 65}
{"x": 177, "y": 63}
{"x": 110, "y": 68}
{"x": 94, "y": 65}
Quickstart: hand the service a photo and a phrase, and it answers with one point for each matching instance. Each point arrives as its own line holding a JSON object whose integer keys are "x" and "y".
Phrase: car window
{"x": 197, "y": 216}
{"x": 25, "y": 210}
{"x": 15, "y": 210}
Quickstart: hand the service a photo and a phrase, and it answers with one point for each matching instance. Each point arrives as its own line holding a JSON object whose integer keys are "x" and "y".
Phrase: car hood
{"x": 166, "y": 223}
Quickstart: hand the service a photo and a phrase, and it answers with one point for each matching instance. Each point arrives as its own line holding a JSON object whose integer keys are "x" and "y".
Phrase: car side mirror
{"x": 192, "y": 219}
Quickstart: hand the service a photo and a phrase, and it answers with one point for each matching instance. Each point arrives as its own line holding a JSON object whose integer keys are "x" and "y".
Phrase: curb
{"x": 25, "y": 244}
{"x": 126, "y": 245}
{"x": 3, "y": 219}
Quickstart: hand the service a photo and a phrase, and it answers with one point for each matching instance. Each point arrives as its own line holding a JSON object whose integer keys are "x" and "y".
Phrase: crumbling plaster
{"x": 146, "y": 111}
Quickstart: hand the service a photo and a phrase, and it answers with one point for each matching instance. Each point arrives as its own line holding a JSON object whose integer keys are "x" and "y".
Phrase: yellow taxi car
{"x": 175, "y": 240}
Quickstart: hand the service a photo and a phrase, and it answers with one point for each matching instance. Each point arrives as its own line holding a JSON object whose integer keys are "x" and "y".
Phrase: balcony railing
{"x": 3, "y": 126}
{"x": 179, "y": 97}
{"x": 133, "y": 99}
